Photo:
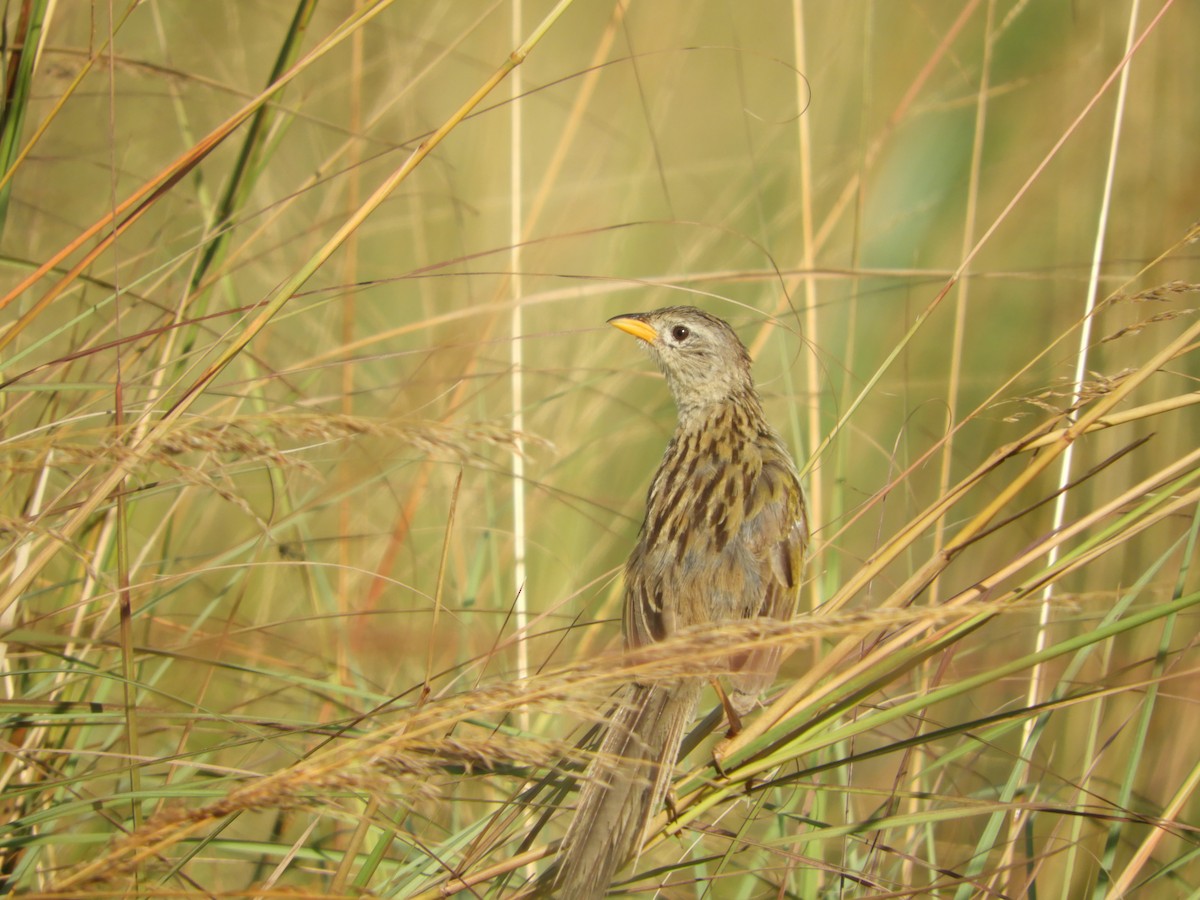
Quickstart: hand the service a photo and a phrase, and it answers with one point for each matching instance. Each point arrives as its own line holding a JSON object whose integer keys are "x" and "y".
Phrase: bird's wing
{"x": 723, "y": 548}
{"x": 775, "y": 536}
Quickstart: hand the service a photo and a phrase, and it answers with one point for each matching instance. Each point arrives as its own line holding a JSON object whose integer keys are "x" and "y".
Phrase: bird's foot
{"x": 731, "y": 714}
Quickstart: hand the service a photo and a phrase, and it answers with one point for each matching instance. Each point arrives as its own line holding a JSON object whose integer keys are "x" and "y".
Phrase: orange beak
{"x": 632, "y": 323}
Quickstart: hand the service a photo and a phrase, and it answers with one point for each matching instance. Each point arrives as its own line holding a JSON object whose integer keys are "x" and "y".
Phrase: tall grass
{"x": 304, "y": 364}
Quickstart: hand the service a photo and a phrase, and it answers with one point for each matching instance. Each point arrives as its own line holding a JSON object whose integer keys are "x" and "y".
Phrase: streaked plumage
{"x": 723, "y": 539}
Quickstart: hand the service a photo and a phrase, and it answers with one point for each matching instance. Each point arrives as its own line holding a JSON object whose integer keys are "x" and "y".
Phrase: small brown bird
{"x": 723, "y": 540}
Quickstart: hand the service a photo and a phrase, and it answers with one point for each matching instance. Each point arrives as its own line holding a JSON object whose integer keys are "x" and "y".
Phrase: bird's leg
{"x": 731, "y": 715}
{"x": 669, "y": 805}
{"x": 735, "y": 726}
{"x": 717, "y": 754}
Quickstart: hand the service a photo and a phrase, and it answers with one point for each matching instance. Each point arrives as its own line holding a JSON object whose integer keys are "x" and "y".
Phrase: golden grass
{"x": 306, "y": 593}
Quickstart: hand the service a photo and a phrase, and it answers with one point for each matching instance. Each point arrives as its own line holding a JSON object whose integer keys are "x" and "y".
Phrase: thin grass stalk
{"x": 35, "y": 19}
{"x": 957, "y": 340}
{"x": 1113, "y": 839}
{"x": 1017, "y": 777}
{"x": 853, "y": 186}
{"x": 516, "y": 210}
{"x": 375, "y": 857}
{"x": 267, "y": 887}
{"x": 15, "y": 771}
{"x": 858, "y": 785}
{"x": 1065, "y": 136}
{"x": 896, "y": 351}
{"x": 1124, "y": 417}
{"x": 698, "y": 802}
{"x": 868, "y": 572}
{"x": 349, "y": 305}
{"x": 1065, "y": 448}
{"x": 961, "y": 300}
{"x": 437, "y": 719}
{"x": 958, "y": 333}
{"x": 8, "y": 616}
{"x": 1037, "y": 675}
{"x": 47, "y": 548}
{"x": 7, "y": 175}
{"x": 120, "y": 510}
{"x": 839, "y": 667}
{"x": 1033, "y": 729}
{"x": 1035, "y": 467}
{"x": 136, "y": 204}
{"x": 815, "y": 495}
{"x": 248, "y": 165}
{"x": 1040, "y": 437}
{"x": 1066, "y": 692}
{"x": 809, "y": 881}
{"x": 168, "y": 346}
{"x": 575, "y": 119}
{"x": 1142, "y": 856}
{"x": 499, "y": 303}
{"x": 1085, "y": 335}
{"x": 427, "y": 689}
{"x": 521, "y": 228}
{"x": 1085, "y": 789}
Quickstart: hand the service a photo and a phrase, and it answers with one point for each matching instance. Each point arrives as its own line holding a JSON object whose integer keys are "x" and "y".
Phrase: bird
{"x": 723, "y": 540}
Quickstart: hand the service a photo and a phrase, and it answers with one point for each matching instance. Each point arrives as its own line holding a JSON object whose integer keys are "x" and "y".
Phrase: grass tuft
{"x": 319, "y": 465}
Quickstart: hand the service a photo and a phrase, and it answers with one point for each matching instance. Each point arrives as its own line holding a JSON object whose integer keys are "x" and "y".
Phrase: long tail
{"x": 624, "y": 786}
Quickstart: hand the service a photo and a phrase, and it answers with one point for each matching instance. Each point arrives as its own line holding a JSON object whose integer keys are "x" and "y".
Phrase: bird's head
{"x": 702, "y": 358}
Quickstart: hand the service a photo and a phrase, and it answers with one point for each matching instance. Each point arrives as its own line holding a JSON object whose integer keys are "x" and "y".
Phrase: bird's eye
{"x": 680, "y": 333}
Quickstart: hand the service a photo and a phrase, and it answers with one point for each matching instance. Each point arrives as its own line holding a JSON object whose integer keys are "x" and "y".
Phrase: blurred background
{"x": 229, "y": 539}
